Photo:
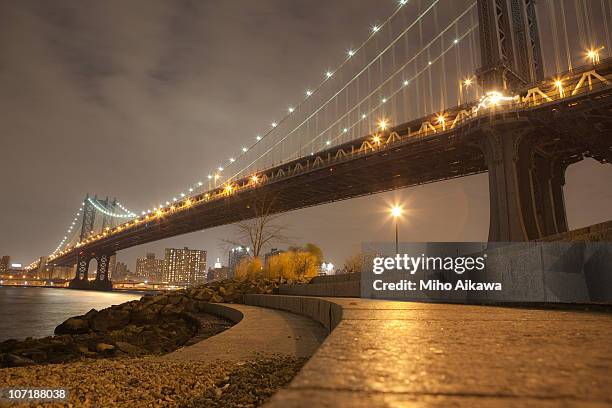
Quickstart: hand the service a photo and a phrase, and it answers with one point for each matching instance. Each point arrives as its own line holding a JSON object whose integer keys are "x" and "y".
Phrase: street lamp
{"x": 396, "y": 212}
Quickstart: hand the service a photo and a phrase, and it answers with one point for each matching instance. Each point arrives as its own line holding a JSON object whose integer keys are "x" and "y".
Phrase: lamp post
{"x": 396, "y": 212}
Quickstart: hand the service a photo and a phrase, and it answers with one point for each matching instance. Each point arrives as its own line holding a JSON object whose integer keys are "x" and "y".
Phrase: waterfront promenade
{"x": 383, "y": 353}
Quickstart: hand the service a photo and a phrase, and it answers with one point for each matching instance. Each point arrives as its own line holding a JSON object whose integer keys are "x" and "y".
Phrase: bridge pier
{"x": 102, "y": 281}
{"x": 525, "y": 186}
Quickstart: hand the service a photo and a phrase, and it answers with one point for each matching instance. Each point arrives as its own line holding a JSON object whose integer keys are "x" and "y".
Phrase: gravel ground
{"x": 152, "y": 382}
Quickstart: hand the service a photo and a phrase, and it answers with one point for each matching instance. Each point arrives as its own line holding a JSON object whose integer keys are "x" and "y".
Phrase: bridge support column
{"x": 102, "y": 281}
{"x": 80, "y": 280}
{"x": 525, "y": 187}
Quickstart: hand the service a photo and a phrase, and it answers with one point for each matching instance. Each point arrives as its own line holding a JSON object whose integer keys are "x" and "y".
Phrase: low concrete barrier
{"x": 328, "y": 313}
{"x": 223, "y": 311}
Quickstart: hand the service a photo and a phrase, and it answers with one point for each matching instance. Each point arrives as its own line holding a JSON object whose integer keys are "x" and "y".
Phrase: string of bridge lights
{"x": 383, "y": 123}
{"x": 69, "y": 230}
{"x": 328, "y": 75}
{"x": 405, "y": 82}
{"x": 104, "y": 211}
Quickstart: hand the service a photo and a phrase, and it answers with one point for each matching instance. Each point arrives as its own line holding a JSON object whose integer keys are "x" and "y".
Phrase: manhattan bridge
{"x": 520, "y": 89}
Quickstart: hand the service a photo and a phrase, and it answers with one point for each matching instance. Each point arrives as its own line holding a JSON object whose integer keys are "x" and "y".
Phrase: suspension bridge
{"x": 441, "y": 89}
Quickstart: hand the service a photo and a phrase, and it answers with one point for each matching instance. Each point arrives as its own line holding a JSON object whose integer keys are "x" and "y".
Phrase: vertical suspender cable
{"x": 581, "y": 34}
{"x": 568, "y": 54}
{"x": 589, "y": 27}
{"x": 553, "y": 23}
{"x": 604, "y": 14}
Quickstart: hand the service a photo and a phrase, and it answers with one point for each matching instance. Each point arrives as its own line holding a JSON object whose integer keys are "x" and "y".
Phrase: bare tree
{"x": 261, "y": 228}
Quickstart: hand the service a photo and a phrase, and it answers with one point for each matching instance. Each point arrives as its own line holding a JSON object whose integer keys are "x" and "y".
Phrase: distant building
{"x": 121, "y": 271}
{"x": 61, "y": 272}
{"x": 41, "y": 271}
{"x": 215, "y": 274}
{"x": 273, "y": 252}
{"x": 17, "y": 270}
{"x": 5, "y": 264}
{"x": 184, "y": 266}
{"x": 235, "y": 256}
{"x": 149, "y": 267}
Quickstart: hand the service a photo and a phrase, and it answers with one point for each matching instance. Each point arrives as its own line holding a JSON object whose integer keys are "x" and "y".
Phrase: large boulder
{"x": 104, "y": 348}
{"x": 13, "y": 360}
{"x": 129, "y": 348}
{"x": 146, "y": 313}
{"x": 74, "y": 325}
{"x": 109, "y": 319}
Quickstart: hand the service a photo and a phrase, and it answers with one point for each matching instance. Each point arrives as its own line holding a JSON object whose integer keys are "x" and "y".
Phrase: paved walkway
{"x": 263, "y": 331}
{"x": 385, "y": 354}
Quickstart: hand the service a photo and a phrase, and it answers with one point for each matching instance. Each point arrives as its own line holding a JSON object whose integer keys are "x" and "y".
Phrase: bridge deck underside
{"x": 573, "y": 128}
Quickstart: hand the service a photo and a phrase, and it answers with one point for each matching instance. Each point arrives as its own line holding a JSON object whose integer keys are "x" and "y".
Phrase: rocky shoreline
{"x": 152, "y": 325}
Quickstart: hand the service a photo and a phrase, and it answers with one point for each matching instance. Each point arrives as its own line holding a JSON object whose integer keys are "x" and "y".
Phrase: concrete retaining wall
{"x": 323, "y": 311}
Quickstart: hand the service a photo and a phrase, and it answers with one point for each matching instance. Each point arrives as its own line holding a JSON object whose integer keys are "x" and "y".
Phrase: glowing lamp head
{"x": 558, "y": 83}
{"x": 255, "y": 179}
{"x": 383, "y": 124}
{"x": 440, "y": 118}
{"x": 467, "y": 82}
{"x": 376, "y": 139}
{"x": 396, "y": 211}
{"x": 228, "y": 189}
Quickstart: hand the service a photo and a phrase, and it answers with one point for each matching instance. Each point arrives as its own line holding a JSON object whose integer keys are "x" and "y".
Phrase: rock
{"x": 172, "y": 309}
{"x": 83, "y": 349}
{"x": 174, "y": 300}
{"x": 89, "y": 315}
{"x": 129, "y": 348}
{"x": 216, "y": 299}
{"x": 12, "y": 360}
{"x": 146, "y": 314}
{"x": 104, "y": 348}
{"x": 110, "y": 319}
{"x": 38, "y": 356}
{"x": 203, "y": 294}
{"x": 73, "y": 325}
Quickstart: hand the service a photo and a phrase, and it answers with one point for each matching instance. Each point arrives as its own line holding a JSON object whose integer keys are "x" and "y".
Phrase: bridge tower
{"x": 525, "y": 186}
{"x": 510, "y": 50}
{"x": 89, "y": 218}
{"x": 81, "y": 279}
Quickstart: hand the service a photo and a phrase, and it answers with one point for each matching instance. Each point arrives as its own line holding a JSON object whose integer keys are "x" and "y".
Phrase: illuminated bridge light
{"x": 350, "y": 53}
{"x": 376, "y": 139}
{"x": 255, "y": 179}
{"x": 383, "y": 124}
{"x": 228, "y": 189}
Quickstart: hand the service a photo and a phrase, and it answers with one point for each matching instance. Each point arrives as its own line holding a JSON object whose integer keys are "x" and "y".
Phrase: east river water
{"x": 35, "y": 312}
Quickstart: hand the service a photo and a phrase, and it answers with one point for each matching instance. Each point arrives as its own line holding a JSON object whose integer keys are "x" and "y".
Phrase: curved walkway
{"x": 258, "y": 331}
{"x": 385, "y": 353}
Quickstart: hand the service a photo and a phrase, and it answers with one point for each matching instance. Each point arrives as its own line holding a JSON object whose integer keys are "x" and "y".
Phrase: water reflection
{"x": 35, "y": 312}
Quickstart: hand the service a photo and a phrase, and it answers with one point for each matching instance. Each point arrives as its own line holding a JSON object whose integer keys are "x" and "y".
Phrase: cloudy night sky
{"x": 134, "y": 99}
